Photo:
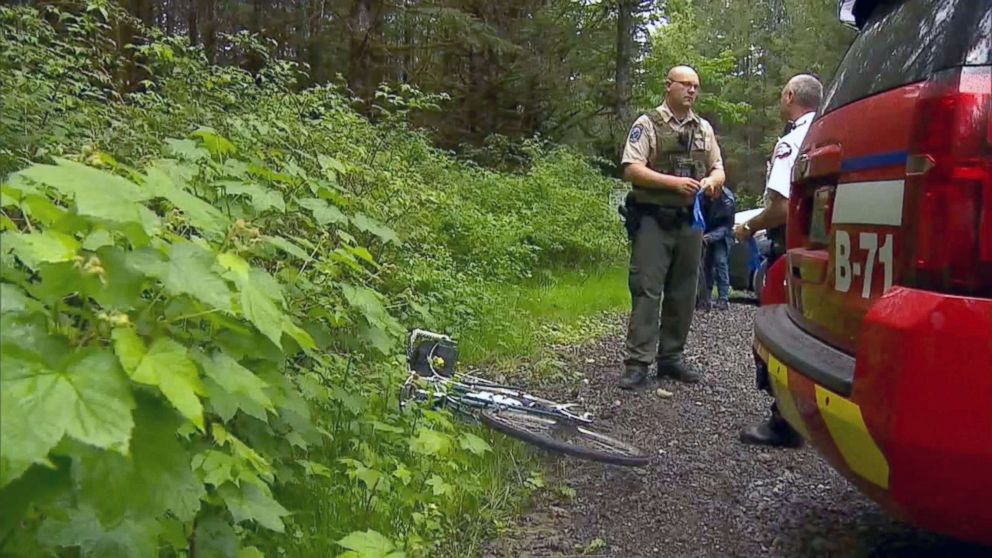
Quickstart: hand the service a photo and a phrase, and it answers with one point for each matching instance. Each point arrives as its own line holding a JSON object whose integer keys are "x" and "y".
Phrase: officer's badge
{"x": 783, "y": 150}
{"x": 635, "y": 133}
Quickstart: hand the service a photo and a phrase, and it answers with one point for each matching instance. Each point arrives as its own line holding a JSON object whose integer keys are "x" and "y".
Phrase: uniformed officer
{"x": 798, "y": 105}
{"x": 670, "y": 155}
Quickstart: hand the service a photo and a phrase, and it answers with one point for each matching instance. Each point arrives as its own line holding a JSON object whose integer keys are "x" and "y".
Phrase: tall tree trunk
{"x": 253, "y": 62}
{"x": 625, "y": 60}
{"x": 362, "y": 28}
{"x": 143, "y": 10}
{"x": 191, "y": 29}
{"x": 407, "y": 44}
{"x": 315, "y": 50}
{"x": 208, "y": 19}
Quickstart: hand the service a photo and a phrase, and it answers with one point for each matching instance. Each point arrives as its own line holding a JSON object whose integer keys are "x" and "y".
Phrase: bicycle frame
{"x": 481, "y": 393}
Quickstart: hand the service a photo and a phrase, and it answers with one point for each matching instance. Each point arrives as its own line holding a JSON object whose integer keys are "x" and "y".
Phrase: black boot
{"x": 775, "y": 432}
{"x": 633, "y": 375}
{"x": 678, "y": 371}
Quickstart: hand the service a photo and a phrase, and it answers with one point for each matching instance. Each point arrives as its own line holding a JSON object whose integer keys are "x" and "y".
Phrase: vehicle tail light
{"x": 949, "y": 182}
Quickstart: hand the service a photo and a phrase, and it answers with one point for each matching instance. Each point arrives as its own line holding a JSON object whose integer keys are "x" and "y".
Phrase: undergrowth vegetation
{"x": 206, "y": 279}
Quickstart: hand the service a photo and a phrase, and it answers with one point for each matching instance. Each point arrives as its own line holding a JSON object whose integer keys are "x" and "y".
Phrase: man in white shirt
{"x": 798, "y": 104}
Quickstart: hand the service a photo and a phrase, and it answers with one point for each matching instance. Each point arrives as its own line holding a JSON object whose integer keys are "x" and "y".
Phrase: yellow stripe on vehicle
{"x": 850, "y": 433}
{"x": 779, "y": 375}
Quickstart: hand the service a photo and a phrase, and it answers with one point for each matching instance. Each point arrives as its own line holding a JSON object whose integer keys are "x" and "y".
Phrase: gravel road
{"x": 704, "y": 494}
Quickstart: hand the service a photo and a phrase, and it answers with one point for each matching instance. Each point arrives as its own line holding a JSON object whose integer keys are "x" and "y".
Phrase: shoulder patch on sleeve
{"x": 783, "y": 150}
{"x": 636, "y": 132}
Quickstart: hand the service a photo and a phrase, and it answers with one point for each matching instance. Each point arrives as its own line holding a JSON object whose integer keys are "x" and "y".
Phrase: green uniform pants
{"x": 664, "y": 268}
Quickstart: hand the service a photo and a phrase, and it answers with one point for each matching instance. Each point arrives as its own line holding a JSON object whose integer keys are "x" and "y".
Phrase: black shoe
{"x": 633, "y": 376}
{"x": 772, "y": 433}
{"x": 703, "y": 305}
{"x": 721, "y": 305}
{"x": 678, "y": 371}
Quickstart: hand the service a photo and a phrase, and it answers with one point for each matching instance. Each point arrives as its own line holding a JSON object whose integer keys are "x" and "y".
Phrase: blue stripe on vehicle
{"x": 889, "y": 159}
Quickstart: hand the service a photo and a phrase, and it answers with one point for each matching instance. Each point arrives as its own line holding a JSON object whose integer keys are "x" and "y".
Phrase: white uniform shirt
{"x": 786, "y": 152}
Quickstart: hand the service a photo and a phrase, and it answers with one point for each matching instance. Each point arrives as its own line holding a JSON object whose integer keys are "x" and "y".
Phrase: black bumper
{"x": 800, "y": 351}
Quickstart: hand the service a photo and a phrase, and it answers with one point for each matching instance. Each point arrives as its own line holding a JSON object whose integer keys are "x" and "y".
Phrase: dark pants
{"x": 762, "y": 380}
{"x": 664, "y": 268}
{"x": 717, "y": 269}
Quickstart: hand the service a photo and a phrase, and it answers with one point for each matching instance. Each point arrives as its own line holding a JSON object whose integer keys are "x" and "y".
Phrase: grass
{"x": 525, "y": 319}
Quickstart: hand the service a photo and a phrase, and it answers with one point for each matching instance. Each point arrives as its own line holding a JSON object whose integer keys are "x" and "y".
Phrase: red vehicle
{"x": 880, "y": 346}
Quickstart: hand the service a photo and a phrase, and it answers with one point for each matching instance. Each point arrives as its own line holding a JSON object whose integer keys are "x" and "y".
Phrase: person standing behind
{"x": 798, "y": 104}
{"x": 670, "y": 155}
{"x": 716, "y": 245}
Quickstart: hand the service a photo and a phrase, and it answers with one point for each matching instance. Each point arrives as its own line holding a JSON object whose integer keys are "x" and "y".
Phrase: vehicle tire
{"x": 563, "y": 436}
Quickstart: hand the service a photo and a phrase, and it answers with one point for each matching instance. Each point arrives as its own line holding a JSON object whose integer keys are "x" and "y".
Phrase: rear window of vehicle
{"x": 907, "y": 40}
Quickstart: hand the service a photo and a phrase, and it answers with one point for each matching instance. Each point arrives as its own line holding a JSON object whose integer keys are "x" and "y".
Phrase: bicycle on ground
{"x": 547, "y": 424}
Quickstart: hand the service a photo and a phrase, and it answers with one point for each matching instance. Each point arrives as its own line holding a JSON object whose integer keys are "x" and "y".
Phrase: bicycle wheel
{"x": 563, "y": 436}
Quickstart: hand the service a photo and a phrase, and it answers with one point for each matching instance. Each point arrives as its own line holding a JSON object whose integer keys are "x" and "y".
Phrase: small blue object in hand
{"x": 698, "y": 221}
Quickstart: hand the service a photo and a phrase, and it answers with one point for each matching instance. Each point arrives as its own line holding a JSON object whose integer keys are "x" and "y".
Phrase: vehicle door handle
{"x": 820, "y": 161}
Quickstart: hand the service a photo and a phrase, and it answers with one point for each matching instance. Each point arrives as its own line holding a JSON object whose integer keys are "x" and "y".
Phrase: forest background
{"x": 570, "y": 72}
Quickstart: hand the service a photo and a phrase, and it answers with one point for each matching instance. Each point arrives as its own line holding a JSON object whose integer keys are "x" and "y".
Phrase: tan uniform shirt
{"x": 641, "y": 146}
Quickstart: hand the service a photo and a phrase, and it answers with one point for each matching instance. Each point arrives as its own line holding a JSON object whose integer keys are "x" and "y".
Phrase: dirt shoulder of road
{"x": 705, "y": 493}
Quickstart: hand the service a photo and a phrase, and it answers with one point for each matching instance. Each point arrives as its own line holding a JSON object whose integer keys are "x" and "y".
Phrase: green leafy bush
{"x": 205, "y": 278}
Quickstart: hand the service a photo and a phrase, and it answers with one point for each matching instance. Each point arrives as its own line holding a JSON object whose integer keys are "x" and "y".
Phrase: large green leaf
{"x": 41, "y": 247}
{"x": 42, "y": 209}
{"x": 86, "y": 397}
{"x": 438, "y": 486}
{"x": 189, "y": 271}
{"x": 120, "y": 286}
{"x": 37, "y": 487}
{"x": 368, "y": 301}
{"x": 330, "y": 164}
{"x": 238, "y": 387}
{"x": 129, "y": 537}
{"x": 248, "y": 460}
{"x": 201, "y": 214}
{"x": 430, "y": 442}
{"x": 216, "y": 467}
{"x": 287, "y": 246}
{"x": 130, "y": 349}
{"x": 250, "y": 502}
{"x": 323, "y": 212}
{"x": 261, "y": 298}
{"x": 262, "y": 311}
{"x": 370, "y": 544}
{"x": 98, "y": 239}
{"x": 378, "y": 338}
{"x": 474, "y": 444}
{"x": 216, "y": 144}
{"x": 365, "y": 223}
{"x": 14, "y": 299}
{"x": 157, "y": 473}
{"x": 215, "y": 538}
{"x": 58, "y": 281}
{"x": 166, "y": 366}
{"x": 98, "y": 194}
{"x": 262, "y": 198}
{"x": 186, "y": 149}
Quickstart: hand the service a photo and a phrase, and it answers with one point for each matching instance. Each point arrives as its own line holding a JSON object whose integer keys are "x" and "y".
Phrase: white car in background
{"x": 746, "y": 258}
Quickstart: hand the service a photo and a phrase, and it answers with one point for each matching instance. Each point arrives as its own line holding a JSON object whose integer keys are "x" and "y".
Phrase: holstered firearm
{"x": 668, "y": 218}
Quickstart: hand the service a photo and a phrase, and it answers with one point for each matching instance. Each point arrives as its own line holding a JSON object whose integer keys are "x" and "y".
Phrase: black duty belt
{"x": 666, "y": 217}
